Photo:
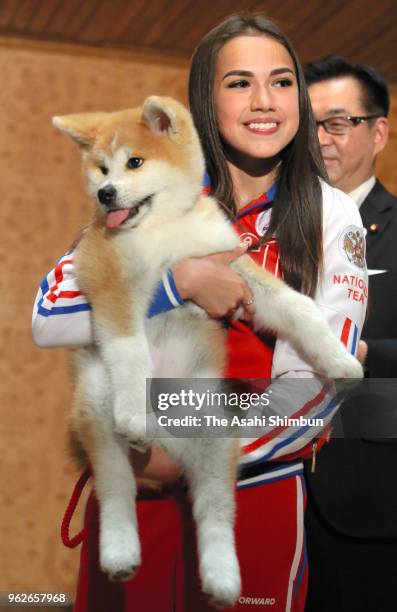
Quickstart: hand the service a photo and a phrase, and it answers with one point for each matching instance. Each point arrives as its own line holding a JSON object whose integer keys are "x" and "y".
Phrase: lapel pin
{"x": 373, "y": 228}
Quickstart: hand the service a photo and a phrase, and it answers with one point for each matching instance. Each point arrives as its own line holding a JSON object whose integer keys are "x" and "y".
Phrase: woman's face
{"x": 256, "y": 99}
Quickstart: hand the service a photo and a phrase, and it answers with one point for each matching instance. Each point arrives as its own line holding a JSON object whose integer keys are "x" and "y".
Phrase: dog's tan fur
{"x": 103, "y": 280}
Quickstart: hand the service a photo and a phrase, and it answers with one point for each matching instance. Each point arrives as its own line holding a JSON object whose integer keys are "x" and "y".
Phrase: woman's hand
{"x": 213, "y": 285}
{"x": 154, "y": 468}
{"x": 362, "y": 351}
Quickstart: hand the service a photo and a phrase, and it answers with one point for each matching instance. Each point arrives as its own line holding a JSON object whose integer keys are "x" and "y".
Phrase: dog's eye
{"x": 104, "y": 170}
{"x": 134, "y": 162}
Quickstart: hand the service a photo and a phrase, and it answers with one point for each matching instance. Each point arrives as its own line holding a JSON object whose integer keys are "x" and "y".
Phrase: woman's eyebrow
{"x": 281, "y": 71}
{"x": 248, "y": 73}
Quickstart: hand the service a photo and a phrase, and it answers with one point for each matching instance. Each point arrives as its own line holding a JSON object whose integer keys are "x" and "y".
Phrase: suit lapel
{"x": 376, "y": 212}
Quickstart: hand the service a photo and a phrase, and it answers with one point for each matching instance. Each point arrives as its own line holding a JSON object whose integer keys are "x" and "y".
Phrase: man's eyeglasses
{"x": 343, "y": 124}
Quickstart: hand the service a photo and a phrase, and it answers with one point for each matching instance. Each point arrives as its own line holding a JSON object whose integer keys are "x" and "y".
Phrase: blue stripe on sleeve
{"x": 57, "y": 310}
{"x": 175, "y": 291}
{"x": 161, "y": 301}
{"x": 44, "y": 286}
{"x": 61, "y": 310}
{"x": 294, "y": 436}
{"x": 355, "y": 340}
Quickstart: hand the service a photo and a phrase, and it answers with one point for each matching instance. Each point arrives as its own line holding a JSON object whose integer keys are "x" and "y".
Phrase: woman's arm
{"x": 62, "y": 316}
{"x": 342, "y": 297}
{"x": 154, "y": 468}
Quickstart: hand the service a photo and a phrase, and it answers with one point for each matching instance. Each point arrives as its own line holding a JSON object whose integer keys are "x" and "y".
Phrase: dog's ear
{"x": 164, "y": 116}
{"x": 82, "y": 128}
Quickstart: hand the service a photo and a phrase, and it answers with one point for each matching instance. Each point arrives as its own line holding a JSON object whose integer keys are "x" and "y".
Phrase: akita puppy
{"x": 144, "y": 169}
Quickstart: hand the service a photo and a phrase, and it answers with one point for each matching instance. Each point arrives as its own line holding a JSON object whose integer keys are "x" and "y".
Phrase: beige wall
{"x": 42, "y": 208}
{"x": 43, "y": 205}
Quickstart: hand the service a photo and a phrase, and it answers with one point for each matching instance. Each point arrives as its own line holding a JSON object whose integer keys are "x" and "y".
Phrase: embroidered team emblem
{"x": 262, "y": 222}
{"x": 352, "y": 243}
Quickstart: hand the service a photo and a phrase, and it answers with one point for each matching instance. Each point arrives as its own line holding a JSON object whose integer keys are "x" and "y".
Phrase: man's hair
{"x": 376, "y": 97}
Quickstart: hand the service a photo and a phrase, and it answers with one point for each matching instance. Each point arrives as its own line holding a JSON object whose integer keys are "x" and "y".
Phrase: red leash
{"x": 74, "y": 500}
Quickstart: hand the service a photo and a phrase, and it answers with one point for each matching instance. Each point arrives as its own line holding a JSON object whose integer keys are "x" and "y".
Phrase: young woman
{"x": 251, "y": 108}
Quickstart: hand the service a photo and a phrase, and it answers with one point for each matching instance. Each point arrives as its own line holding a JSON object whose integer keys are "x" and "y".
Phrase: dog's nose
{"x": 107, "y": 195}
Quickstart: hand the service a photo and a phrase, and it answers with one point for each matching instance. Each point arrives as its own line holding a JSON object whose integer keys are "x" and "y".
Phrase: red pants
{"x": 270, "y": 548}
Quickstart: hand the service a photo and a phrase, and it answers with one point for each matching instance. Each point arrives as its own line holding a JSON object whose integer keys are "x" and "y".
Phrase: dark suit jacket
{"x": 354, "y": 488}
{"x": 380, "y": 330}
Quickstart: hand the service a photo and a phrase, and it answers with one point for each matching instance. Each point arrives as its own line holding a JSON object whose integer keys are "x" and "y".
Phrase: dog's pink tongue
{"x": 115, "y": 218}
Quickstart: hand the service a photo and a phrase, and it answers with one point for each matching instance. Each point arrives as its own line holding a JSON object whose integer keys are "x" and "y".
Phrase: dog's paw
{"x": 221, "y": 580}
{"x": 140, "y": 446}
{"x": 345, "y": 366}
{"x": 124, "y": 574}
{"x": 120, "y": 556}
{"x": 133, "y": 428}
{"x": 222, "y": 591}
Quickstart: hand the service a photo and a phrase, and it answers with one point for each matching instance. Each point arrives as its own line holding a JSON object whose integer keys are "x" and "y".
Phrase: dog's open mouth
{"x": 117, "y": 216}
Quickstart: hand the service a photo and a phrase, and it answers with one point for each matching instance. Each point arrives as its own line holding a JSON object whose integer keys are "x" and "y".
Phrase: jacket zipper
{"x": 314, "y": 451}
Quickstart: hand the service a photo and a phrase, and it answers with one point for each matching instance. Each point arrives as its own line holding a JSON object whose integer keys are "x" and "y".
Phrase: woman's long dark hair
{"x": 297, "y": 214}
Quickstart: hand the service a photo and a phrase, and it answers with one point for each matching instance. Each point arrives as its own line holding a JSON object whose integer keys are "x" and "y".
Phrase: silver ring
{"x": 248, "y": 302}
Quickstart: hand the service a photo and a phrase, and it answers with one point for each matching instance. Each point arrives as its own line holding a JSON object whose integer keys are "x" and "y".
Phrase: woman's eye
{"x": 284, "y": 83}
{"x": 239, "y": 84}
{"x": 104, "y": 170}
{"x": 134, "y": 162}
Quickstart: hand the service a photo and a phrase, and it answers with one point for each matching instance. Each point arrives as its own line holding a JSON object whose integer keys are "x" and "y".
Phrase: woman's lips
{"x": 262, "y": 127}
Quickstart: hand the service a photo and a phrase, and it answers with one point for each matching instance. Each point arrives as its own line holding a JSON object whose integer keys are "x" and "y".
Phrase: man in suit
{"x": 352, "y": 495}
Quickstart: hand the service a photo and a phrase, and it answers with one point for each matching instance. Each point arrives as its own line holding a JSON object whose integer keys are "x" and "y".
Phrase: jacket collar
{"x": 263, "y": 200}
